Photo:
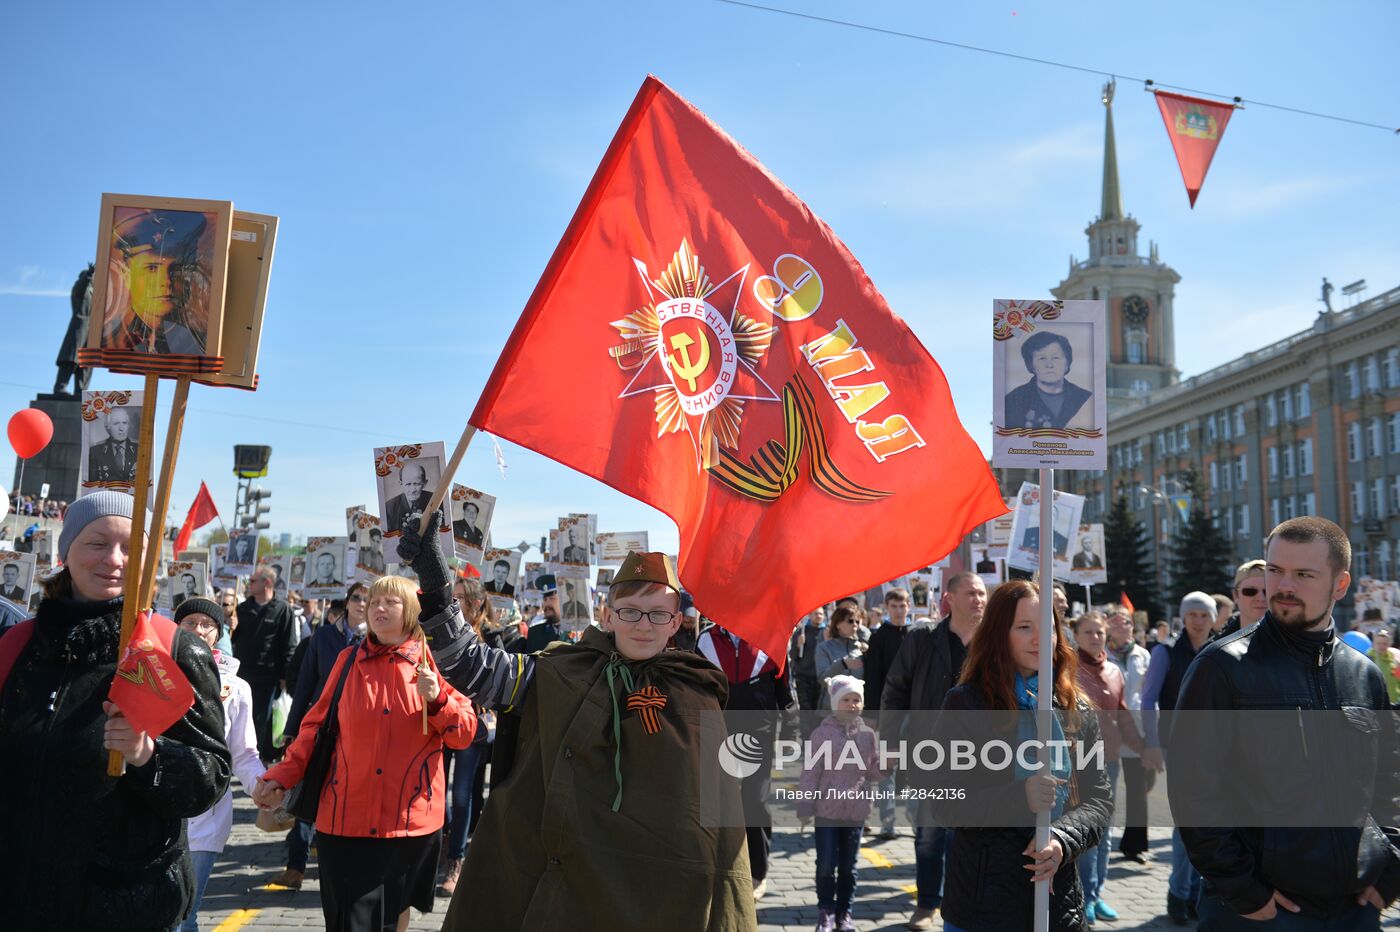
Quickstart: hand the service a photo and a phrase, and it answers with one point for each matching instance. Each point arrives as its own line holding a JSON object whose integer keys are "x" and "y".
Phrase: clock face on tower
{"x": 1134, "y": 310}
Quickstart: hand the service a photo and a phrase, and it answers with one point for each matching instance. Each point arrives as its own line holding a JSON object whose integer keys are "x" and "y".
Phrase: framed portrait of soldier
{"x": 44, "y": 546}
{"x": 325, "y": 568}
{"x": 1050, "y": 385}
{"x": 575, "y": 603}
{"x": 1086, "y": 563}
{"x": 158, "y": 292}
{"x": 592, "y": 542}
{"x": 242, "y": 551}
{"x": 612, "y": 547}
{"x": 553, "y": 552}
{"x": 187, "y": 580}
{"x": 367, "y": 544}
{"x": 471, "y": 521}
{"x": 500, "y": 571}
{"x": 218, "y": 560}
{"x": 17, "y": 577}
{"x": 575, "y": 540}
{"x": 111, "y": 433}
{"x": 245, "y": 297}
{"x": 1024, "y": 551}
{"x": 406, "y": 477}
{"x": 281, "y": 564}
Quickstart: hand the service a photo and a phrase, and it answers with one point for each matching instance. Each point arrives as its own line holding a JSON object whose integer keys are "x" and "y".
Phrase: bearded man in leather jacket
{"x": 1331, "y": 777}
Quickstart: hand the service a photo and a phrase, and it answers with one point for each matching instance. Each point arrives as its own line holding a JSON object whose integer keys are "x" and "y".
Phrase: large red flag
{"x": 149, "y": 687}
{"x": 701, "y": 341}
{"x": 201, "y": 513}
{"x": 1196, "y": 127}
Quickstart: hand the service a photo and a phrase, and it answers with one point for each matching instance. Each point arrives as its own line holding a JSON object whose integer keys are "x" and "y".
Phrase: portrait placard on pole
{"x": 1026, "y": 536}
{"x": 1050, "y": 385}
{"x": 1087, "y": 564}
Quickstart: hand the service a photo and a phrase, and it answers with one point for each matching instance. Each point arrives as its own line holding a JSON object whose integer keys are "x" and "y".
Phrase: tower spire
{"x": 1112, "y": 207}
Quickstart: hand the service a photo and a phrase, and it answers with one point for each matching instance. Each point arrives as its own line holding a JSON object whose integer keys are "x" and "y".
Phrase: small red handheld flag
{"x": 701, "y": 341}
{"x": 1126, "y": 602}
{"x": 149, "y": 688}
{"x": 1196, "y": 127}
{"x": 201, "y": 513}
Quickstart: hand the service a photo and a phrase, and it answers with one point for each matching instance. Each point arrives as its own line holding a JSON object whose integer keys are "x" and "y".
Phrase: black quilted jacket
{"x": 80, "y": 849}
{"x": 987, "y": 888}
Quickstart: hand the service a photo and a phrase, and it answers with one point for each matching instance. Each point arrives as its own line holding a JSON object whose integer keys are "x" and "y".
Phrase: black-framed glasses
{"x": 634, "y": 615}
{"x": 190, "y": 624}
{"x": 1250, "y": 592}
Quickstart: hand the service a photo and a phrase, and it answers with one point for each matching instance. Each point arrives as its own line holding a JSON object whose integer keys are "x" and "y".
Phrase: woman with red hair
{"x": 993, "y": 861}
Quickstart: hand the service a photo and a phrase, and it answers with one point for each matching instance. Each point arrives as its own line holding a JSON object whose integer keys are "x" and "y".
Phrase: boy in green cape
{"x": 606, "y": 818}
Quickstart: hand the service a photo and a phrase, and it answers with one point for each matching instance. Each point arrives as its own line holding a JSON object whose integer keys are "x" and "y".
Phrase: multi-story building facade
{"x": 1307, "y": 424}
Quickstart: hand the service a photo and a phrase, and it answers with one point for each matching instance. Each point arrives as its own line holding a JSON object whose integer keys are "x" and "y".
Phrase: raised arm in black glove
{"x": 424, "y": 554}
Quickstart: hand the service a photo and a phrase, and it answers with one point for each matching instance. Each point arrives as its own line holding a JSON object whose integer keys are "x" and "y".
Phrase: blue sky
{"x": 424, "y": 162}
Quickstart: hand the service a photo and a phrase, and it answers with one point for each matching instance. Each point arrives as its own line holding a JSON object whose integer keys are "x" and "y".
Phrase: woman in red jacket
{"x": 379, "y": 824}
{"x": 1102, "y": 683}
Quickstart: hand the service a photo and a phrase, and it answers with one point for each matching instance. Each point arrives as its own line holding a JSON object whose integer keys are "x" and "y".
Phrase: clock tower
{"x": 1136, "y": 289}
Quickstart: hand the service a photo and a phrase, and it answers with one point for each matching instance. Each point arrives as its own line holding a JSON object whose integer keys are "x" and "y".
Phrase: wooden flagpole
{"x": 131, "y": 585}
{"x": 445, "y": 481}
{"x": 167, "y": 473}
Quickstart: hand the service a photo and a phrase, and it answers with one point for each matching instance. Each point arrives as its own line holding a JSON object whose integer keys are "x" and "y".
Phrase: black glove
{"x": 424, "y": 554}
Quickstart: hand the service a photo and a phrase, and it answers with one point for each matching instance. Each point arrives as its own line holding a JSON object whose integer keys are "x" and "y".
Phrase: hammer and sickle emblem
{"x": 683, "y": 367}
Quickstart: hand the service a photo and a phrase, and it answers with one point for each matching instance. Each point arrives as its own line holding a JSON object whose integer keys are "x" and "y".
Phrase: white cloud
{"x": 1242, "y": 201}
{"x": 30, "y": 283}
{"x": 962, "y": 180}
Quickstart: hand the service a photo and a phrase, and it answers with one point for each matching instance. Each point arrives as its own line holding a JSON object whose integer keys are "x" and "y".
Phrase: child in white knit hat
{"x": 838, "y": 787}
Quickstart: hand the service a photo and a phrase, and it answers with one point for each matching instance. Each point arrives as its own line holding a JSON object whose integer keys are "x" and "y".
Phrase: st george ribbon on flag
{"x": 701, "y": 341}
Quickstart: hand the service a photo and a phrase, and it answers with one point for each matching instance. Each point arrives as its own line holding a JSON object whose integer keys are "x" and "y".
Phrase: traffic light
{"x": 256, "y": 507}
{"x": 250, "y": 462}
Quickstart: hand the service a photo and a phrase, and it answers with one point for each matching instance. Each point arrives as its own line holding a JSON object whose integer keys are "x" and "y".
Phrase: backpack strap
{"x": 12, "y": 644}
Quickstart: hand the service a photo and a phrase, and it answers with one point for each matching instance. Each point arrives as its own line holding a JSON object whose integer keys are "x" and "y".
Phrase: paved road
{"x": 884, "y": 892}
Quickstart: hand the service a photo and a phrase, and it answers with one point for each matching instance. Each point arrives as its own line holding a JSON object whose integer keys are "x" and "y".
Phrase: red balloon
{"x": 30, "y": 431}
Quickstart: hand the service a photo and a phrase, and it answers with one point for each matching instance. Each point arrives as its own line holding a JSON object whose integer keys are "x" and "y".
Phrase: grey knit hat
{"x": 87, "y": 510}
{"x": 1199, "y": 601}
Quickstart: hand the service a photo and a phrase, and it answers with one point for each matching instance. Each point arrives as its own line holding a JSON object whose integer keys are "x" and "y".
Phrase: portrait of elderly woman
{"x": 1048, "y": 398}
{"x": 160, "y": 277}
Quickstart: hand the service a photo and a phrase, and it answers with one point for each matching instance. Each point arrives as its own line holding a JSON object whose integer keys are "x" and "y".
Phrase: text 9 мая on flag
{"x": 701, "y": 341}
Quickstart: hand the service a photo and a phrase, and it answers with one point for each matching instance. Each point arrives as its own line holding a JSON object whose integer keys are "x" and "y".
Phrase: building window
{"x": 1361, "y": 562}
{"x": 1141, "y": 386}
{"x": 1288, "y": 462}
{"x": 1224, "y": 417}
{"x": 1309, "y": 504}
{"x": 1350, "y": 387}
{"x": 1395, "y": 495}
{"x": 1304, "y": 396}
{"x": 1358, "y": 500}
{"x": 1137, "y": 353}
{"x": 1185, "y": 438}
{"x": 1160, "y": 441}
{"x": 1210, "y": 429}
{"x": 1117, "y": 457}
{"x": 1305, "y": 457}
{"x": 1275, "y": 512}
{"x": 1270, "y": 411}
{"x": 1378, "y": 498}
{"x": 1354, "y": 442}
{"x": 1213, "y": 472}
{"x": 1273, "y": 462}
{"x": 1370, "y": 374}
{"x": 1242, "y": 526}
{"x": 1289, "y": 503}
{"x": 1392, "y": 430}
{"x": 1238, "y": 416}
{"x": 1241, "y": 469}
{"x": 1373, "y": 437}
{"x": 1285, "y": 401}
{"x": 1392, "y": 368}
{"x": 1225, "y": 475}
{"x": 1383, "y": 558}
{"x": 1171, "y": 440}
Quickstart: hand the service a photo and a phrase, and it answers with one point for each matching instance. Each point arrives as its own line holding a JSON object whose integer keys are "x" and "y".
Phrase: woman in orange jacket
{"x": 381, "y": 810}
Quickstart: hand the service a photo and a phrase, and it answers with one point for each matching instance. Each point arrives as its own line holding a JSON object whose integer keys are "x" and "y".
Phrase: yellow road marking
{"x": 239, "y": 919}
{"x": 911, "y": 889}
{"x": 876, "y": 858}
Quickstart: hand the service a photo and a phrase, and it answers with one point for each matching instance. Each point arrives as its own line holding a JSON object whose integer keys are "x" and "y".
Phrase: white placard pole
{"x": 1045, "y": 693}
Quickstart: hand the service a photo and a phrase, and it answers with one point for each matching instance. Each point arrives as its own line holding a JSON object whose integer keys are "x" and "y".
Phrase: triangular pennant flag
{"x": 1196, "y": 127}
